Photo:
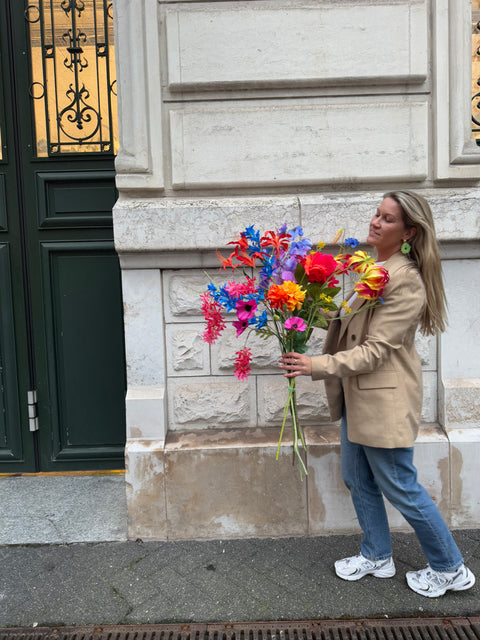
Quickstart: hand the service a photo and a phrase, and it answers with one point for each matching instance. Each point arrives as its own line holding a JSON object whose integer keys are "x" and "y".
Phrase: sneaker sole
{"x": 376, "y": 574}
{"x": 463, "y": 586}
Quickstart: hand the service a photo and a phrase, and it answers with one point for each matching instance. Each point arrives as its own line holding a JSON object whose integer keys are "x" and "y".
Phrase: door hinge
{"x": 32, "y": 410}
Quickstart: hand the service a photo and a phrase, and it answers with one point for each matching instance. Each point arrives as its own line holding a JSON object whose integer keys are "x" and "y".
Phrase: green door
{"x": 61, "y": 323}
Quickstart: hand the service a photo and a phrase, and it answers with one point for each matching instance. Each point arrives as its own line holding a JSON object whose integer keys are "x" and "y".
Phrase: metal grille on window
{"x": 73, "y": 76}
{"x": 476, "y": 70}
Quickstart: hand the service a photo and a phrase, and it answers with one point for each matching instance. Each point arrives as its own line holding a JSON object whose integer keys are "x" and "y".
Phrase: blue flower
{"x": 259, "y": 321}
{"x": 301, "y": 247}
{"x": 251, "y": 234}
{"x": 296, "y": 231}
{"x": 212, "y": 288}
{"x": 351, "y": 242}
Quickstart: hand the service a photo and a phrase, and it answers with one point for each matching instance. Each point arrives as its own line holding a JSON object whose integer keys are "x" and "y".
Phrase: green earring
{"x": 405, "y": 248}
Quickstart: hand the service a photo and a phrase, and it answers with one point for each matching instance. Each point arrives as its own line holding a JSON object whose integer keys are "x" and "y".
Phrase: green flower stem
{"x": 297, "y": 430}
{"x": 290, "y": 390}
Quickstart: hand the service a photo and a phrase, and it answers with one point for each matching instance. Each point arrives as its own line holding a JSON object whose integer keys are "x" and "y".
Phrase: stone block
{"x": 464, "y": 457}
{"x": 250, "y": 45}
{"x": 329, "y": 502}
{"x": 146, "y": 413}
{"x": 211, "y": 402}
{"x": 265, "y": 353}
{"x": 273, "y": 395}
{"x": 144, "y": 328}
{"x": 149, "y": 232}
{"x": 429, "y": 404}
{"x": 427, "y": 350}
{"x": 323, "y": 214}
{"x": 330, "y": 508}
{"x": 460, "y": 405}
{"x": 225, "y": 485}
{"x": 182, "y": 291}
{"x": 460, "y": 348}
{"x": 145, "y": 481}
{"x": 431, "y": 458}
{"x": 139, "y": 161}
{"x": 187, "y": 353}
{"x": 215, "y": 145}
{"x": 182, "y": 227}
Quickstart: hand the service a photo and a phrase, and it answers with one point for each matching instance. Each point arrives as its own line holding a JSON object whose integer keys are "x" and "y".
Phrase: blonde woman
{"x": 373, "y": 380}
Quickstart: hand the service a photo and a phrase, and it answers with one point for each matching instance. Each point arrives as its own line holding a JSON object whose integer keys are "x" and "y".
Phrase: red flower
{"x": 213, "y": 317}
{"x": 320, "y": 267}
{"x": 242, "y": 363}
{"x": 278, "y": 241}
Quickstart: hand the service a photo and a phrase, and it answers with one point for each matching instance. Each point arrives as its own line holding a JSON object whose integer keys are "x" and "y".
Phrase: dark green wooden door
{"x": 61, "y": 323}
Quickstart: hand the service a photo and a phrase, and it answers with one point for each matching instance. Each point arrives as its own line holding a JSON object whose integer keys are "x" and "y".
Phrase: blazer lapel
{"x": 355, "y": 306}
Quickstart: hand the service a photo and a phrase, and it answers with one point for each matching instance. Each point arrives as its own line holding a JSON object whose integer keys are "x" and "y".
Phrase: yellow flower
{"x": 320, "y": 246}
{"x": 360, "y": 262}
{"x": 346, "y": 308}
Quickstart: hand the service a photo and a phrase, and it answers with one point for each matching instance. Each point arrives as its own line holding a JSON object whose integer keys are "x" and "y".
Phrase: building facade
{"x": 239, "y": 112}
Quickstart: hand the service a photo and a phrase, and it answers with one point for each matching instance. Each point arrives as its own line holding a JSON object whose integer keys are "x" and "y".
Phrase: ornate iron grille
{"x": 476, "y": 75}
{"x": 73, "y": 76}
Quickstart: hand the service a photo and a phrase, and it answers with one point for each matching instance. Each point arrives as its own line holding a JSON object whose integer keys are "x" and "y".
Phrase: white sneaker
{"x": 430, "y": 583}
{"x": 357, "y": 567}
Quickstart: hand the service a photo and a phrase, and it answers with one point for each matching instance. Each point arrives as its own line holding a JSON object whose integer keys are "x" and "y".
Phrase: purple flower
{"x": 295, "y": 323}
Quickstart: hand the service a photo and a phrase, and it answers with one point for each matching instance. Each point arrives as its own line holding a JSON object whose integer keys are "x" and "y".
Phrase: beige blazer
{"x": 372, "y": 354}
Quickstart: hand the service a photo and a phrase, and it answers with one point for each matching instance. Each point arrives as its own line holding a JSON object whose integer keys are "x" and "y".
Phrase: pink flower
{"x": 242, "y": 363}
{"x": 213, "y": 317}
{"x": 240, "y": 326}
{"x": 245, "y": 309}
{"x": 237, "y": 289}
{"x": 295, "y": 323}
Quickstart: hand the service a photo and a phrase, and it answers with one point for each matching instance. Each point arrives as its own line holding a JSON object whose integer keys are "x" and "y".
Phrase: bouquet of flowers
{"x": 288, "y": 288}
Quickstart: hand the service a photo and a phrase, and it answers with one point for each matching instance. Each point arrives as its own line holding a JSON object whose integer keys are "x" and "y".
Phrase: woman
{"x": 372, "y": 376}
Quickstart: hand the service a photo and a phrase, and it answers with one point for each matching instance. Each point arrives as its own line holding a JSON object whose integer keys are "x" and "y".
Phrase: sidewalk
{"x": 119, "y": 582}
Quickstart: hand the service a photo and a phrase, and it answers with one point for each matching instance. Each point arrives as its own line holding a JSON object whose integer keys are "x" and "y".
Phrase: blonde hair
{"x": 416, "y": 213}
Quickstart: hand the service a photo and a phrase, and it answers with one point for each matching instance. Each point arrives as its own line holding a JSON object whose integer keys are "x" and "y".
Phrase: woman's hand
{"x": 295, "y": 364}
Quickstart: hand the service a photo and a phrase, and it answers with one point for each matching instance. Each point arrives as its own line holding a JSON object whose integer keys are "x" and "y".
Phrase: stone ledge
{"x": 157, "y": 232}
{"x": 227, "y": 484}
{"x": 327, "y": 434}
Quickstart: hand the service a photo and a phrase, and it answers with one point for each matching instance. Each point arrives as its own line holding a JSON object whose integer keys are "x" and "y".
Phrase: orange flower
{"x": 372, "y": 282}
{"x": 288, "y": 293}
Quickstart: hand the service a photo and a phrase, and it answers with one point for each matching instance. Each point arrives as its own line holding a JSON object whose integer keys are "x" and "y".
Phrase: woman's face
{"x": 387, "y": 231}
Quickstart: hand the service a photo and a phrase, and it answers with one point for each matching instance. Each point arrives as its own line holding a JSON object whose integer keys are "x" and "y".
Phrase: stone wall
{"x": 241, "y": 112}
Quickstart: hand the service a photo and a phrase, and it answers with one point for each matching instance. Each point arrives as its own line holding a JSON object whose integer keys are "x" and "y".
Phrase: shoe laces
{"x": 433, "y": 578}
{"x": 361, "y": 562}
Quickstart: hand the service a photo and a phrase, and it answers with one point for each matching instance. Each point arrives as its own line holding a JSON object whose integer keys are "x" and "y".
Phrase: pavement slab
{"x": 138, "y": 583}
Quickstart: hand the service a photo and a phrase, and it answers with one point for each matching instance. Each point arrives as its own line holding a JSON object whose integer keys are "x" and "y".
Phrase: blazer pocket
{"x": 377, "y": 380}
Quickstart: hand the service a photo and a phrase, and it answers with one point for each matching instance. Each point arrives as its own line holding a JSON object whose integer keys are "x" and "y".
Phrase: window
{"x": 476, "y": 70}
{"x": 73, "y": 76}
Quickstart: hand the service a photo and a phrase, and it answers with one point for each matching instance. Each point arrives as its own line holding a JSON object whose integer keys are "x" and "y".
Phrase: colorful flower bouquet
{"x": 288, "y": 289}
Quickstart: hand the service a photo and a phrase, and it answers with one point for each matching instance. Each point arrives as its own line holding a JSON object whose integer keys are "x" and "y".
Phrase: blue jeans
{"x": 369, "y": 472}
